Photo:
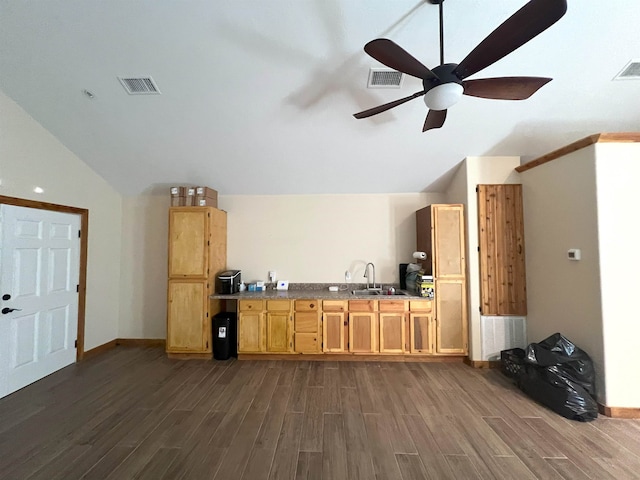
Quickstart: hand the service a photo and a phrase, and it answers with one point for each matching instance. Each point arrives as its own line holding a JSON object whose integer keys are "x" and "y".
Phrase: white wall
{"x": 315, "y": 238}
{"x": 561, "y": 212}
{"x": 143, "y": 287}
{"x": 30, "y": 156}
{"x": 617, "y": 177}
{"x": 472, "y": 172}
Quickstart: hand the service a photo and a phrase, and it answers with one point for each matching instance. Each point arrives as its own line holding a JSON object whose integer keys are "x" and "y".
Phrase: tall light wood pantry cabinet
{"x": 503, "y": 289}
{"x": 440, "y": 234}
{"x": 197, "y": 253}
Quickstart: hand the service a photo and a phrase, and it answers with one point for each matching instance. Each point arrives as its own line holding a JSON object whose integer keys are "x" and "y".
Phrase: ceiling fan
{"x": 445, "y": 84}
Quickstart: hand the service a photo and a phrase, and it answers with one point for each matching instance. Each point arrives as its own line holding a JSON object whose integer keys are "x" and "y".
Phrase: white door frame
{"x": 84, "y": 235}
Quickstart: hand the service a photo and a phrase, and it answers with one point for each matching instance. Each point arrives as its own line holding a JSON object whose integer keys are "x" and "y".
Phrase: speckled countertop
{"x": 319, "y": 291}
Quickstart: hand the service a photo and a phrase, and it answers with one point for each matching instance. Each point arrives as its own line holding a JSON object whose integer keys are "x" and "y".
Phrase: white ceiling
{"x": 258, "y": 95}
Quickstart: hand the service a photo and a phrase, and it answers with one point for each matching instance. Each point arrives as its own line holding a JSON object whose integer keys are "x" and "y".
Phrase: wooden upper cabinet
{"x": 440, "y": 234}
{"x": 502, "y": 256}
{"x": 197, "y": 241}
{"x": 448, "y": 241}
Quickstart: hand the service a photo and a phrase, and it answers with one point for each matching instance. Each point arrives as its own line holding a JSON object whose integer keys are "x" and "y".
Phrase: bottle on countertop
{"x": 242, "y": 287}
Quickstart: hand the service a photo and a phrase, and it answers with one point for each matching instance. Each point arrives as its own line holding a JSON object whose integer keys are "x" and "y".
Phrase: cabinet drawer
{"x": 306, "y": 305}
{"x": 306, "y": 322}
{"x": 393, "y": 305}
{"x": 334, "y": 306}
{"x": 279, "y": 305}
{"x": 363, "y": 305}
{"x": 421, "y": 305}
{"x": 250, "y": 305}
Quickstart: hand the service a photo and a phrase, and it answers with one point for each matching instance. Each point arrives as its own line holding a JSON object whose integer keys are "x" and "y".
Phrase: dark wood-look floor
{"x": 133, "y": 413}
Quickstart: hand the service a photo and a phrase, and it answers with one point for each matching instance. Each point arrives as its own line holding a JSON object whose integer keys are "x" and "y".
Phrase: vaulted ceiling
{"x": 257, "y": 96}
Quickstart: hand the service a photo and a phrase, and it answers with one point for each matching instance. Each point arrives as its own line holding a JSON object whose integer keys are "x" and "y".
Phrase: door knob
{"x": 6, "y": 296}
{"x": 6, "y": 310}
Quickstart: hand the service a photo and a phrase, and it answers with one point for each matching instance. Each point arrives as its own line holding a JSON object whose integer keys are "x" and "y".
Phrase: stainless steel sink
{"x": 381, "y": 293}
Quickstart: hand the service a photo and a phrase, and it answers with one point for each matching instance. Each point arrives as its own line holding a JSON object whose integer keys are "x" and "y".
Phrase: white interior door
{"x": 39, "y": 272}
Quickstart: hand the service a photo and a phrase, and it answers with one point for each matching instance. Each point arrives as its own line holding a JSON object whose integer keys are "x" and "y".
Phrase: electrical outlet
{"x": 272, "y": 276}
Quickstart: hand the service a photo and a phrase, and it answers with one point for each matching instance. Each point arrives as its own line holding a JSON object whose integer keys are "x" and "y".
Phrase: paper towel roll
{"x": 420, "y": 255}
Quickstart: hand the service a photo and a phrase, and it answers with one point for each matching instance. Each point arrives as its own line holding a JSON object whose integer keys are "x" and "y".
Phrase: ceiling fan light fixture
{"x": 443, "y": 96}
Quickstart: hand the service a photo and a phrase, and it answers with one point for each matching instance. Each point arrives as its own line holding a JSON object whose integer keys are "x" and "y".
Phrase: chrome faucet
{"x": 366, "y": 274}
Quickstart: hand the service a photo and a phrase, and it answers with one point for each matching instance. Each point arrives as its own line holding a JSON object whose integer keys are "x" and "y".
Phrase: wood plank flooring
{"x": 133, "y": 413}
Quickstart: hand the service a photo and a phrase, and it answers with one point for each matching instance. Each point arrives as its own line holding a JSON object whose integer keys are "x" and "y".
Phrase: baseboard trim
{"x": 123, "y": 342}
{"x": 618, "y": 412}
{"x": 349, "y": 357}
{"x": 482, "y": 363}
{"x": 141, "y": 342}
{"x": 190, "y": 356}
{"x": 105, "y": 347}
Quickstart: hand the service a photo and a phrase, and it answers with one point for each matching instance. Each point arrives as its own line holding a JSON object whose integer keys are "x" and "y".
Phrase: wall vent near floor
{"x": 501, "y": 333}
{"x": 139, "y": 85}
{"x": 630, "y": 72}
{"x": 384, "y": 78}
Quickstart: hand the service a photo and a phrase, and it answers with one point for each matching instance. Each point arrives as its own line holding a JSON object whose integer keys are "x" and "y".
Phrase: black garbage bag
{"x": 558, "y": 374}
{"x": 554, "y": 389}
{"x": 571, "y": 361}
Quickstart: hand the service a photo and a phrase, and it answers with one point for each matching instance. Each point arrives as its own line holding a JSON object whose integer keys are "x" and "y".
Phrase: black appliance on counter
{"x": 403, "y": 275}
{"x": 228, "y": 282}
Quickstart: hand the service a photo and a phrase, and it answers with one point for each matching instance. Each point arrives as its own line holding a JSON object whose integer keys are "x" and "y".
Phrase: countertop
{"x": 311, "y": 291}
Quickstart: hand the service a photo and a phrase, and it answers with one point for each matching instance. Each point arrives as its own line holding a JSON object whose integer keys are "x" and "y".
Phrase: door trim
{"x": 84, "y": 237}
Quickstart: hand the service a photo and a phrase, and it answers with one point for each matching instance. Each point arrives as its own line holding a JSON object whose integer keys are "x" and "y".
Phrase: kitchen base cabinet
{"x": 306, "y": 326}
{"x": 279, "y": 331}
{"x": 451, "y": 318}
{"x": 363, "y": 323}
{"x": 251, "y": 327}
{"x": 334, "y": 326}
{"x": 188, "y": 310}
{"x": 421, "y": 327}
{"x": 359, "y": 329}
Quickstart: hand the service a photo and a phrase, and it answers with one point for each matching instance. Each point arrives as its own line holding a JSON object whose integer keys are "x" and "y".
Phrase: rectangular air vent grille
{"x": 139, "y": 85}
{"x": 384, "y": 78}
{"x": 630, "y": 72}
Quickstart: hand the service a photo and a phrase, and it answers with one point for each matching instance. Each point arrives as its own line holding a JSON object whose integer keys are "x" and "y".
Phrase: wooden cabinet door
{"x": 451, "y": 317}
{"x": 448, "y": 241}
{"x": 333, "y": 332}
{"x": 362, "y": 332}
{"x": 392, "y": 332}
{"x": 278, "y": 332}
{"x": 502, "y": 264}
{"x": 188, "y": 242}
{"x": 251, "y": 335}
{"x": 420, "y": 331}
{"x": 188, "y": 326}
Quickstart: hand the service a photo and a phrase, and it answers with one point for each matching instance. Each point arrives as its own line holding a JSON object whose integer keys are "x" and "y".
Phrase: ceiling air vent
{"x": 384, "y": 78}
{"x": 139, "y": 85}
{"x": 630, "y": 72}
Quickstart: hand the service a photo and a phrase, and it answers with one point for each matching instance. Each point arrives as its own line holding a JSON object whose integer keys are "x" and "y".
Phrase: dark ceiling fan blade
{"x": 504, "y": 88}
{"x": 435, "y": 119}
{"x": 396, "y": 57}
{"x": 387, "y": 106}
{"x": 528, "y": 22}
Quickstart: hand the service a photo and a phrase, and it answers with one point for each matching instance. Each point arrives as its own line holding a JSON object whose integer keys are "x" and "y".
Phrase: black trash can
{"x": 224, "y": 335}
